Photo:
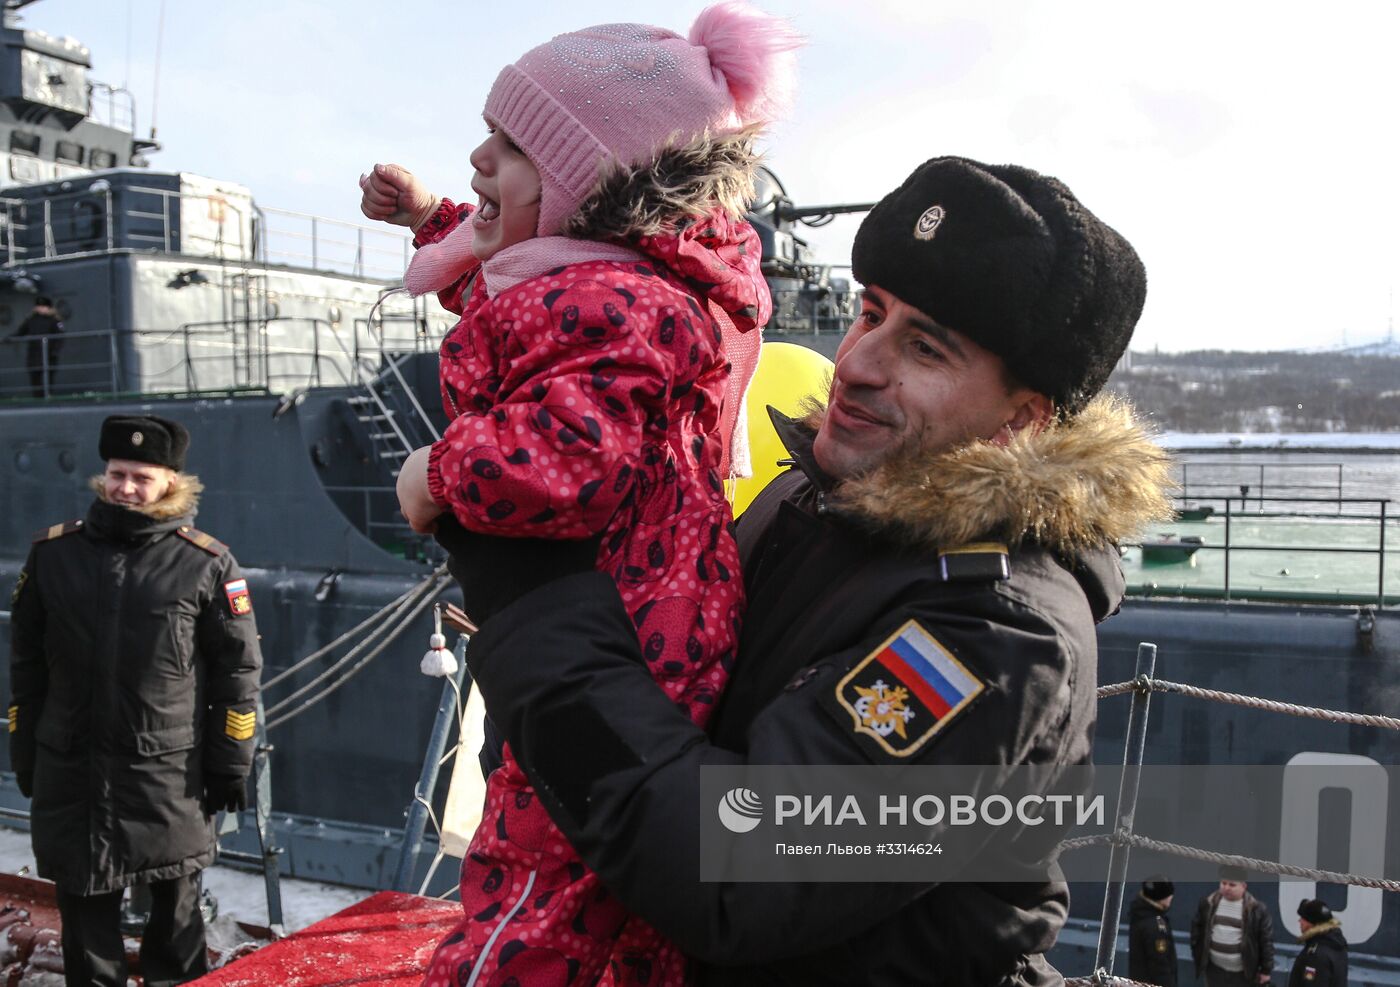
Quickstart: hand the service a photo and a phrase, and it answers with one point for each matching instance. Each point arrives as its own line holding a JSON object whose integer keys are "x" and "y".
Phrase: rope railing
{"x": 1141, "y": 688}
{"x": 1228, "y": 859}
{"x": 411, "y": 606}
{"x": 1252, "y": 702}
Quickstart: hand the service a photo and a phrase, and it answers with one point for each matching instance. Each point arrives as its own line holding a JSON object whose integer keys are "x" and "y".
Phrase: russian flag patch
{"x": 906, "y": 691}
{"x": 239, "y": 602}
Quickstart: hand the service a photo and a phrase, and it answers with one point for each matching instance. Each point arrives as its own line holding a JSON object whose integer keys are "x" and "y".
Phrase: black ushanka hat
{"x": 144, "y": 439}
{"x": 1012, "y": 260}
{"x": 1314, "y": 910}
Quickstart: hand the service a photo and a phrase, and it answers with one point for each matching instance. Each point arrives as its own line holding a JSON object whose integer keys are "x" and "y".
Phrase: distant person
{"x": 1151, "y": 949}
{"x": 42, "y": 357}
{"x": 1232, "y": 935}
{"x": 1323, "y": 961}
{"x": 607, "y": 282}
{"x": 134, "y": 668}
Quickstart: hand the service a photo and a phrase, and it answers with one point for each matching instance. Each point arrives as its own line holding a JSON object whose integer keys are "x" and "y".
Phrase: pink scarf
{"x": 437, "y": 265}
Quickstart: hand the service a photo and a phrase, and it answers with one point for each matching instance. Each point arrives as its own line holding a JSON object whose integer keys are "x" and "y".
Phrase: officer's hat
{"x": 1314, "y": 910}
{"x": 1158, "y": 888}
{"x": 145, "y": 439}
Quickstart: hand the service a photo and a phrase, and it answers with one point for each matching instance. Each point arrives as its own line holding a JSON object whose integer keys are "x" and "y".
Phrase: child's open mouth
{"x": 487, "y": 210}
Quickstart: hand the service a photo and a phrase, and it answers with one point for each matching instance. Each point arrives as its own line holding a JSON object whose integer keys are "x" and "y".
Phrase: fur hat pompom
{"x": 755, "y": 53}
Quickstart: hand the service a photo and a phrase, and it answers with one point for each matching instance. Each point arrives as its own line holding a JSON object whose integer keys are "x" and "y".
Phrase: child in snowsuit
{"x": 606, "y": 280}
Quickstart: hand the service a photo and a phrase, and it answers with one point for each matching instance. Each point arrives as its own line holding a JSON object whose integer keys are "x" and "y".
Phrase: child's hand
{"x": 415, "y": 501}
{"x": 394, "y": 195}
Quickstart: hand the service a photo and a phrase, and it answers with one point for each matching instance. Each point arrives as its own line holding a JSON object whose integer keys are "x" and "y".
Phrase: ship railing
{"x": 1124, "y": 838}
{"x": 94, "y": 225}
{"x": 91, "y": 221}
{"x": 112, "y": 106}
{"x": 16, "y": 380}
{"x": 1235, "y": 511}
{"x": 1221, "y": 478}
{"x": 304, "y": 240}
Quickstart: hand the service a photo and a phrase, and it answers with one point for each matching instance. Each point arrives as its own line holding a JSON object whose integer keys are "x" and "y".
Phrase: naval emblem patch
{"x": 238, "y": 599}
{"x": 907, "y": 690}
{"x": 928, "y": 223}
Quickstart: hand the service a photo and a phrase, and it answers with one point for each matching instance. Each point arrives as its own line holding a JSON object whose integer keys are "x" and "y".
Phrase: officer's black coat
{"x": 1151, "y": 949}
{"x": 1323, "y": 960}
{"x": 133, "y": 674}
{"x": 617, "y": 765}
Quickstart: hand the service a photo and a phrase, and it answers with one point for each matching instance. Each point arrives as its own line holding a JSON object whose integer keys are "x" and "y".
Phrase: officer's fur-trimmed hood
{"x": 182, "y": 498}
{"x": 683, "y": 181}
{"x": 1095, "y": 478}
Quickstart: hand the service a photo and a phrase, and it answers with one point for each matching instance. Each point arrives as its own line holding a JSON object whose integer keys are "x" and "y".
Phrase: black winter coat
{"x": 1151, "y": 949}
{"x": 618, "y": 766}
{"x": 1256, "y": 940}
{"x": 135, "y": 668}
{"x": 1323, "y": 961}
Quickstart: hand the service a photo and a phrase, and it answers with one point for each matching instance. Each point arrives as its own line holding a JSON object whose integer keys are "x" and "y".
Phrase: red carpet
{"x": 385, "y": 939}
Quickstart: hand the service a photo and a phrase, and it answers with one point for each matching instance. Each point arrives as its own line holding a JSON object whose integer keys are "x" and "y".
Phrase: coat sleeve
{"x": 232, "y": 668}
{"x": 1199, "y": 932}
{"x": 448, "y": 217}
{"x": 1266, "y": 938}
{"x": 558, "y": 453}
{"x": 1138, "y": 953}
{"x": 29, "y": 670}
{"x": 618, "y": 768}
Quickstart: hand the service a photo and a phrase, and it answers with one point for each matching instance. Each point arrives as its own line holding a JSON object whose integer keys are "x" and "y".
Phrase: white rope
{"x": 1248, "y": 863}
{"x": 1253, "y": 702}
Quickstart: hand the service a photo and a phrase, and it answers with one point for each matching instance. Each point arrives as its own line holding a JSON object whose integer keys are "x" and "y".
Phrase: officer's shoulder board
{"x": 904, "y": 693}
{"x": 57, "y": 531}
{"x": 202, "y": 540}
{"x": 975, "y": 562}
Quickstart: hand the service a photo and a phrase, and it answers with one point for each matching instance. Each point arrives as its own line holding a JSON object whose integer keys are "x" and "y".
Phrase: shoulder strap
{"x": 975, "y": 561}
{"x": 203, "y": 540}
{"x": 57, "y": 530}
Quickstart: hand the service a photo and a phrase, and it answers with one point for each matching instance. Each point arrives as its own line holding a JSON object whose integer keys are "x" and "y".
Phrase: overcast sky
{"x": 1247, "y": 149}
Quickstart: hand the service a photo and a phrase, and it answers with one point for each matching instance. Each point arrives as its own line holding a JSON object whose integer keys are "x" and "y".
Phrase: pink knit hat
{"x": 621, "y": 92}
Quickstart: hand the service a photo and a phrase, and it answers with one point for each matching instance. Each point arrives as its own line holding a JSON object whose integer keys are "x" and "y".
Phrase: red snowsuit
{"x": 587, "y": 401}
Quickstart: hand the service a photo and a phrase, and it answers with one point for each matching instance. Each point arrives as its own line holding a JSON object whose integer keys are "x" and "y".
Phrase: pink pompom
{"x": 754, "y": 51}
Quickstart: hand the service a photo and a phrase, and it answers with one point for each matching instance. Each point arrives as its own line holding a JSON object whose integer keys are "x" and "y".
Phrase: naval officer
{"x": 134, "y": 668}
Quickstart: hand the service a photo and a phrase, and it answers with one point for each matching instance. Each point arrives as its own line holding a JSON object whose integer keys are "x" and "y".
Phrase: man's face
{"x": 903, "y": 382}
{"x": 134, "y": 484}
{"x": 1232, "y": 890}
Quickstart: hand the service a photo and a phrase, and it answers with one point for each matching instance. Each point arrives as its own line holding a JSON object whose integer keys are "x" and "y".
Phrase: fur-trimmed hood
{"x": 181, "y": 499}
{"x": 682, "y": 182}
{"x": 1094, "y": 479}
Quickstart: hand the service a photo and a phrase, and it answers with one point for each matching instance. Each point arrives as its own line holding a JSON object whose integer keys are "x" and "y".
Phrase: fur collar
{"x": 1319, "y": 929}
{"x": 1095, "y": 479}
{"x": 182, "y": 498}
{"x": 682, "y": 181}
{"x": 1155, "y": 905}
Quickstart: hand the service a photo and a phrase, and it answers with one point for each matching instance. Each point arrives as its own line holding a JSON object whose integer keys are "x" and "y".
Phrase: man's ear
{"x": 1031, "y": 410}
